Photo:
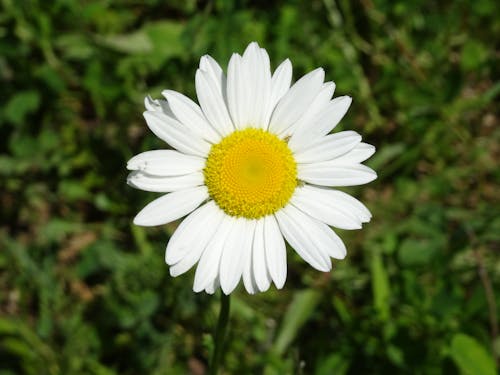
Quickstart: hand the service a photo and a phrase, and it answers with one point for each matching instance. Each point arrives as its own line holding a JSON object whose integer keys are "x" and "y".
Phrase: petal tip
{"x": 341, "y": 256}
{"x": 279, "y": 284}
{"x": 287, "y": 63}
{"x": 167, "y": 93}
{"x": 173, "y": 272}
{"x": 141, "y": 221}
{"x": 132, "y": 165}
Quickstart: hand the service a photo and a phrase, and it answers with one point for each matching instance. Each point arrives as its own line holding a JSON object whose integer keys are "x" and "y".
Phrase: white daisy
{"x": 253, "y": 165}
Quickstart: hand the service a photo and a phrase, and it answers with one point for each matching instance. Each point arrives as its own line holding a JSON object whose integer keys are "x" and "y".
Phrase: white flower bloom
{"x": 253, "y": 165}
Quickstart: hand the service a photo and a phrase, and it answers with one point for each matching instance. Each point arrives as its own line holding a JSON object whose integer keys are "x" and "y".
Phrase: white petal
{"x": 250, "y": 70}
{"x": 323, "y": 123}
{"x": 328, "y": 147}
{"x": 296, "y": 101}
{"x": 319, "y": 103}
{"x": 238, "y": 93}
{"x": 165, "y": 163}
{"x": 179, "y": 243}
{"x": 299, "y": 230}
{"x": 175, "y": 134}
{"x": 264, "y": 90}
{"x": 328, "y": 240}
{"x": 320, "y": 235}
{"x": 259, "y": 263}
{"x": 214, "y": 71}
{"x": 234, "y": 255}
{"x": 248, "y": 275}
{"x": 255, "y": 87}
{"x": 314, "y": 202}
{"x": 151, "y": 104}
{"x": 275, "y": 251}
{"x": 333, "y": 200}
{"x": 190, "y": 115}
{"x": 171, "y": 206}
{"x": 357, "y": 155}
{"x": 209, "y": 264}
{"x": 252, "y": 88}
{"x": 157, "y": 105}
{"x": 280, "y": 84}
{"x": 347, "y": 203}
{"x": 330, "y": 174}
{"x": 332, "y": 115}
{"x": 212, "y": 287}
{"x": 162, "y": 184}
{"x": 196, "y": 238}
{"x": 211, "y": 97}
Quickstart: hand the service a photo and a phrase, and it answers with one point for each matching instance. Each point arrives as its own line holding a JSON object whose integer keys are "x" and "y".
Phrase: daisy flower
{"x": 251, "y": 166}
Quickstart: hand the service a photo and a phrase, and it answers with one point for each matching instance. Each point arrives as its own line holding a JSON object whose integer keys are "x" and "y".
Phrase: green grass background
{"x": 83, "y": 291}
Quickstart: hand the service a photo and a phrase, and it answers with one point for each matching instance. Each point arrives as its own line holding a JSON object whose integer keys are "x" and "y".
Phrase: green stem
{"x": 220, "y": 334}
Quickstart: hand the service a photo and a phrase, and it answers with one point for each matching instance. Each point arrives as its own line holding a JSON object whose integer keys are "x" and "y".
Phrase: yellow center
{"x": 250, "y": 173}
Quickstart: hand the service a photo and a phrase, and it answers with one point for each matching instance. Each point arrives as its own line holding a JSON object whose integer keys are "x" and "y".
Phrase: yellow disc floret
{"x": 250, "y": 173}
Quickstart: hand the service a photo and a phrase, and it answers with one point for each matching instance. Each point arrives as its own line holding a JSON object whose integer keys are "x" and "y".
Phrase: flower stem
{"x": 220, "y": 334}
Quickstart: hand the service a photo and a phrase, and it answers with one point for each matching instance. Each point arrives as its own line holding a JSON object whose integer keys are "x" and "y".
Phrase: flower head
{"x": 252, "y": 166}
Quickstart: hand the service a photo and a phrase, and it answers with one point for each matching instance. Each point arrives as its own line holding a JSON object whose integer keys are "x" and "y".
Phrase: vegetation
{"x": 83, "y": 291}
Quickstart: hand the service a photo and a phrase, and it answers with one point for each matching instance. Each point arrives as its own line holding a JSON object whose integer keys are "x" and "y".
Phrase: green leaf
{"x": 413, "y": 252}
{"x": 474, "y": 54}
{"x": 470, "y": 356}
{"x": 334, "y": 364}
{"x": 166, "y": 38}
{"x": 74, "y": 46}
{"x": 7, "y": 327}
{"x": 380, "y": 286}
{"x": 20, "y": 105}
{"x": 395, "y": 355}
{"x": 157, "y": 40}
{"x": 73, "y": 190}
{"x": 386, "y": 154}
{"x": 300, "y": 310}
{"x": 138, "y": 42}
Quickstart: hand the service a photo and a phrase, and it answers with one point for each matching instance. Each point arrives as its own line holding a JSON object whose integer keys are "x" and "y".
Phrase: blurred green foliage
{"x": 82, "y": 291}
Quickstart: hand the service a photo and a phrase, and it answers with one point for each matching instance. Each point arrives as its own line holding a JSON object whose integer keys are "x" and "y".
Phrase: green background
{"x": 83, "y": 291}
